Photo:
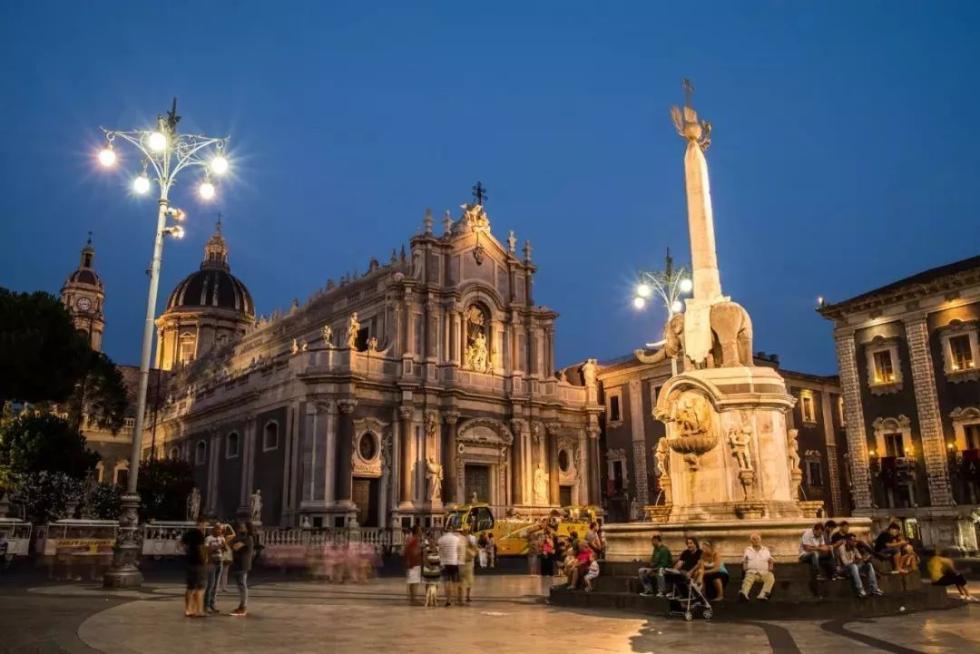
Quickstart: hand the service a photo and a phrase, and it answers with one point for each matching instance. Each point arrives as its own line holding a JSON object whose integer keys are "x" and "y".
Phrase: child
{"x": 909, "y": 561}
{"x": 431, "y": 571}
{"x": 592, "y": 573}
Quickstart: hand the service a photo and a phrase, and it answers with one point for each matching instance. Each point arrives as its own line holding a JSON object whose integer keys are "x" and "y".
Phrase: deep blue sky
{"x": 845, "y": 150}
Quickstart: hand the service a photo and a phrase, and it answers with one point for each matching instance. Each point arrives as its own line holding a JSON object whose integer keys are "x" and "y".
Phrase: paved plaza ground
{"x": 509, "y": 614}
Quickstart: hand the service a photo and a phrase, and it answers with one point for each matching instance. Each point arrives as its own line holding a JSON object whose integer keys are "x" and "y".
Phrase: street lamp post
{"x": 668, "y": 285}
{"x": 166, "y": 153}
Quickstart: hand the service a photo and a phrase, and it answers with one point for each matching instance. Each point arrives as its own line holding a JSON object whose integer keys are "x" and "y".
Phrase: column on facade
{"x": 857, "y": 439}
{"x": 593, "y": 465}
{"x": 407, "y": 414}
{"x": 927, "y": 406}
{"x": 517, "y": 468}
{"x": 830, "y": 442}
{"x": 247, "y": 447}
{"x": 449, "y": 458}
{"x": 554, "y": 493}
{"x": 331, "y": 451}
{"x": 639, "y": 442}
{"x": 213, "y": 460}
{"x": 345, "y": 444}
{"x": 287, "y": 476}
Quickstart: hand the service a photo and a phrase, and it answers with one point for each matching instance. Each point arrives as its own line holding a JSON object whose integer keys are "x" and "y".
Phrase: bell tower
{"x": 84, "y": 295}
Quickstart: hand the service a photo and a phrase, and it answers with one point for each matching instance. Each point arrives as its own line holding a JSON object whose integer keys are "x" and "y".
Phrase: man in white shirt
{"x": 448, "y": 545}
{"x": 757, "y": 565}
{"x": 817, "y": 552}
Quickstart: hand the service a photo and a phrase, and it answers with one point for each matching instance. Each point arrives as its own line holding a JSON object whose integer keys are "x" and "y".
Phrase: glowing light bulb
{"x": 686, "y": 285}
{"x": 157, "y": 141}
{"x": 141, "y": 184}
{"x": 206, "y": 189}
{"x": 107, "y": 157}
{"x": 177, "y": 231}
{"x": 219, "y": 165}
{"x": 639, "y": 302}
{"x": 643, "y": 290}
{"x": 677, "y": 306}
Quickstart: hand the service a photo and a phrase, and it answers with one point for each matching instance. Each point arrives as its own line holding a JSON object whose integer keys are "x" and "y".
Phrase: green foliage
{"x": 36, "y": 442}
{"x": 42, "y": 356}
{"x": 101, "y": 395}
{"x": 47, "y": 496}
{"x": 103, "y": 502}
{"x": 164, "y": 485}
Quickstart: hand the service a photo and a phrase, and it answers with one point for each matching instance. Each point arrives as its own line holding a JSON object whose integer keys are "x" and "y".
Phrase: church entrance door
{"x": 477, "y": 483}
{"x": 364, "y": 493}
{"x": 565, "y": 495}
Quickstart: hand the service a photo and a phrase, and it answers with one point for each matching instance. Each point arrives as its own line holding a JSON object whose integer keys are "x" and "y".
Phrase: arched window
{"x": 232, "y": 446}
{"x": 270, "y": 436}
{"x": 200, "y": 453}
{"x": 175, "y": 453}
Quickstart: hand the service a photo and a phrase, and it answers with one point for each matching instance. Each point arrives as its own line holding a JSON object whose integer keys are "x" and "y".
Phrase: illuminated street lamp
{"x": 165, "y": 154}
{"x": 668, "y": 285}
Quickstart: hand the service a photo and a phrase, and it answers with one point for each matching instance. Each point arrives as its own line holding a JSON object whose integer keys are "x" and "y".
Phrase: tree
{"x": 47, "y": 496}
{"x": 164, "y": 485}
{"x": 42, "y": 355}
{"x": 35, "y": 442}
{"x": 102, "y": 502}
{"x": 100, "y": 395}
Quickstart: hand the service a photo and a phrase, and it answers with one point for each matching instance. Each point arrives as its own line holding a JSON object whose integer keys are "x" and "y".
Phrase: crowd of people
{"x": 211, "y": 551}
{"x": 831, "y": 549}
{"x": 451, "y": 558}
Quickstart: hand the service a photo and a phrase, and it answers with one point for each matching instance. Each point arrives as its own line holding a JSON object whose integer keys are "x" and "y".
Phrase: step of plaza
{"x": 795, "y": 595}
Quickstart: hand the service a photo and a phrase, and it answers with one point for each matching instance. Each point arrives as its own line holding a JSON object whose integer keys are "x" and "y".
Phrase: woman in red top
{"x": 413, "y": 562}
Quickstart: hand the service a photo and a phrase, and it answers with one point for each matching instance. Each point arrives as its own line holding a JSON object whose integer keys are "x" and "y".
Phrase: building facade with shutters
{"x": 425, "y": 382}
{"x": 910, "y": 374}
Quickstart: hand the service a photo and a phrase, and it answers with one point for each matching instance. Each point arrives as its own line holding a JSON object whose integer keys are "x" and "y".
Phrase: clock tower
{"x": 83, "y": 295}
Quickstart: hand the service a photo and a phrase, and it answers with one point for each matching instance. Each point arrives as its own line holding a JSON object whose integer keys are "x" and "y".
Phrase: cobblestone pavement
{"x": 508, "y": 614}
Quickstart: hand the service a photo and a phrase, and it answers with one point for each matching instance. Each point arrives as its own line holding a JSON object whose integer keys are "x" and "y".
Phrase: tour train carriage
{"x": 68, "y": 548}
{"x": 17, "y": 534}
{"x": 512, "y": 535}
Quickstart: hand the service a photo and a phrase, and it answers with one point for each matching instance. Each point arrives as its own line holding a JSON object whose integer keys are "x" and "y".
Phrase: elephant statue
{"x": 673, "y": 342}
{"x": 731, "y": 337}
{"x": 731, "y": 331}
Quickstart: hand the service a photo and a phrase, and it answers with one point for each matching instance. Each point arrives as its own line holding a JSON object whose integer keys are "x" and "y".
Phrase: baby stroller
{"x": 695, "y": 602}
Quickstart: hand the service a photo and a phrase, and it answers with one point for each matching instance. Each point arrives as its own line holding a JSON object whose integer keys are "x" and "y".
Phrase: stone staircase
{"x": 794, "y": 596}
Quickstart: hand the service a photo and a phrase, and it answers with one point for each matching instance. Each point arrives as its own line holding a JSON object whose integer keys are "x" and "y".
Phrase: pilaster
{"x": 830, "y": 445}
{"x": 449, "y": 458}
{"x": 405, "y": 436}
{"x": 927, "y": 405}
{"x": 857, "y": 438}
{"x": 345, "y": 445}
{"x": 639, "y": 442}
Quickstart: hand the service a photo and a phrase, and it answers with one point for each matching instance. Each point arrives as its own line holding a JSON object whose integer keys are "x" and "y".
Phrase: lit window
{"x": 884, "y": 372}
{"x": 807, "y": 410}
{"x": 961, "y": 352}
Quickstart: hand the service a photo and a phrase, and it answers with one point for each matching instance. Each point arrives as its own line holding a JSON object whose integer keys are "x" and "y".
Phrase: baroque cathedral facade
{"x": 427, "y": 381}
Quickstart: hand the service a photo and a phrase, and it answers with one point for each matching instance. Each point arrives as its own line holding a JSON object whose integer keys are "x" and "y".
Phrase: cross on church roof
{"x": 480, "y": 193}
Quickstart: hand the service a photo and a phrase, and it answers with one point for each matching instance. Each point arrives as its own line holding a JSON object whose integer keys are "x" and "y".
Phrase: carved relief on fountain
{"x": 691, "y": 422}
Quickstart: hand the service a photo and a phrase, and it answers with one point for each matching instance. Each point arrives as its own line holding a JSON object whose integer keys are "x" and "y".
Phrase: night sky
{"x": 844, "y": 155}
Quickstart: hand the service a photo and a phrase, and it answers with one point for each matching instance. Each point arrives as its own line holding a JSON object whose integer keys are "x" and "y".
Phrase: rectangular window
{"x": 614, "y": 414}
{"x": 232, "y": 446}
{"x": 618, "y": 475}
{"x": 961, "y": 352}
{"x": 884, "y": 373}
{"x": 971, "y": 433}
{"x": 894, "y": 445}
{"x": 806, "y": 408}
{"x": 814, "y": 473}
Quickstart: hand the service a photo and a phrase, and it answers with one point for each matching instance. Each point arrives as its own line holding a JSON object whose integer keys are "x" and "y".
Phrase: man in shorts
{"x": 467, "y": 552}
{"x": 449, "y": 558}
{"x": 197, "y": 572}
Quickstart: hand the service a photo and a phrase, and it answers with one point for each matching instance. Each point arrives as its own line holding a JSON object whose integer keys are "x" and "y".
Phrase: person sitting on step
{"x": 757, "y": 565}
{"x": 889, "y": 544}
{"x": 853, "y": 563}
{"x": 817, "y": 553}
{"x": 678, "y": 576}
{"x": 942, "y": 572}
{"x": 660, "y": 560}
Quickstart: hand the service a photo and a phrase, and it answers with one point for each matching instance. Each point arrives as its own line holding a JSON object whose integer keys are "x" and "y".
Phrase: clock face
{"x": 83, "y": 304}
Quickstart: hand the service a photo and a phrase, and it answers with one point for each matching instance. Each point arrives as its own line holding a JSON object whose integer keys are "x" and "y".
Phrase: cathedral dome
{"x": 213, "y": 286}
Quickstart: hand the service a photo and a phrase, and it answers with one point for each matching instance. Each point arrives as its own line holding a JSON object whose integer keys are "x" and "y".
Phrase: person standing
{"x": 467, "y": 554}
{"x": 757, "y": 565}
{"x": 214, "y": 543}
{"x": 491, "y": 550}
{"x": 660, "y": 560}
{"x": 533, "y": 552}
{"x": 547, "y": 554}
{"x": 413, "y": 562}
{"x": 449, "y": 559}
{"x": 243, "y": 550}
{"x": 195, "y": 557}
{"x": 226, "y": 558}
